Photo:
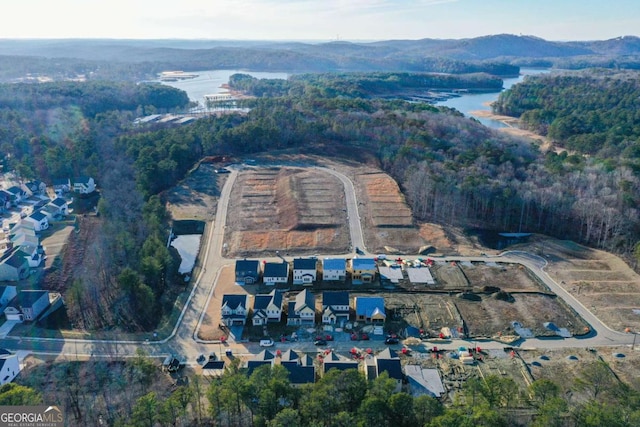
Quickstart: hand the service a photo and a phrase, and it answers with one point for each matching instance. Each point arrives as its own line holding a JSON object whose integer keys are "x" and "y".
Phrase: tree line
{"x": 133, "y": 393}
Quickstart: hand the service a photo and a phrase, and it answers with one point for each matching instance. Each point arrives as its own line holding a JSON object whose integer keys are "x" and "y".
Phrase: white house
{"x": 304, "y": 271}
{"x": 334, "y": 269}
{"x": 9, "y": 366}
{"x": 234, "y": 309}
{"x": 335, "y": 307}
{"x": 83, "y": 185}
{"x": 275, "y": 272}
{"x": 39, "y": 220}
{"x": 36, "y": 187}
{"x": 267, "y": 308}
{"x": 32, "y": 303}
{"x": 302, "y": 311}
{"x": 59, "y": 206}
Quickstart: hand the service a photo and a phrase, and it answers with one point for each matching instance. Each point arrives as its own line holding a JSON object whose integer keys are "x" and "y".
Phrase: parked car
{"x": 266, "y": 342}
{"x": 320, "y": 342}
{"x": 391, "y": 341}
{"x": 364, "y": 337}
{"x": 359, "y": 251}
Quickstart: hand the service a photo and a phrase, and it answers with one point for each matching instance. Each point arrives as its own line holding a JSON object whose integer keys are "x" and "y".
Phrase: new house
{"x": 39, "y": 220}
{"x": 385, "y": 361}
{"x": 36, "y": 188}
{"x": 275, "y": 272}
{"x": 62, "y": 185}
{"x": 363, "y": 270}
{"x": 370, "y": 309}
{"x": 335, "y": 307}
{"x": 302, "y": 310}
{"x": 234, "y": 309}
{"x": 32, "y": 303}
{"x": 13, "y": 266}
{"x": 334, "y": 269}
{"x": 300, "y": 368}
{"x": 7, "y": 293}
{"x": 335, "y": 361}
{"x": 265, "y": 357}
{"x": 83, "y": 185}
{"x": 18, "y": 193}
{"x": 424, "y": 381}
{"x": 59, "y": 206}
{"x": 247, "y": 271}
{"x": 304, "y": 271}
{"x": 267, "y": 308}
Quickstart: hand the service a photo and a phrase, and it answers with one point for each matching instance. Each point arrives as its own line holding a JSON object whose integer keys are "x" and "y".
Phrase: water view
{"x": 187, "y": 246}
{"x": 209, "y": 82}
{"x": 469, "y": 103}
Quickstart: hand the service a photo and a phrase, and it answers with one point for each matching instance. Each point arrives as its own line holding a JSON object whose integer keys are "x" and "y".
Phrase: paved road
{"x": 183, "y": 340}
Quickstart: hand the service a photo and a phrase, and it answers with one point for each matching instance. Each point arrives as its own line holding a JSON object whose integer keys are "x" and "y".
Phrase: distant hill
{"x": 480, "y": 54}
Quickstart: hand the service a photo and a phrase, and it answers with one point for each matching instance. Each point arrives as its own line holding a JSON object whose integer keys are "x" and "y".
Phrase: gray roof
{"x": 300, "y": 374}
{"x": 38, "y": 216}
{"x": 335, "y": 298}
{"x": 276, "y": 269}
{"x": 234, "y": 300}
{"x": 58, "y": 201}
{"x": 27, "y": 298}
{"x": 305, "y": 263}
{"x": 16, "y": 259}
{"x": 261, "y": 302}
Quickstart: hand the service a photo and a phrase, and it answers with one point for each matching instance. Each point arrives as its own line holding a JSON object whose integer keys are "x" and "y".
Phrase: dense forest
{"x": 134, "y": 393}
{"x": 452, "y": 170}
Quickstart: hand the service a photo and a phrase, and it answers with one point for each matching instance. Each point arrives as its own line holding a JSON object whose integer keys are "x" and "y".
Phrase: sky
{"x": 321, "y": 20}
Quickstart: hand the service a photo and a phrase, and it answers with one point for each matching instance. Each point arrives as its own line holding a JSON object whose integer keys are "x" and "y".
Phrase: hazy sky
{"x": 318, "y": 19}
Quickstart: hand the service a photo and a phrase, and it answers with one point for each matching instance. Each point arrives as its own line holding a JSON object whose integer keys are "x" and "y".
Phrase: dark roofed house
{"x": 247, "y": 271}
{"x": 36, "y": 187}
{"x": 304, "y": 271}
{"x": 267, "y": 308}
{"x": 213, "y": 367}
{"x": 13, "y": 267}
{"x": 18, "y": 193}
{"x": 301, "y": 369}
{"x": 275, "y": 272}
{"x": 386, "y": 361}
{"x": 39, "y": 220}
{"x": 234, "y": 309}
{"x": 265, "y": 357}
{"x": 335, "y": 307}
{"x": 32, "y": 303}
{"x": 335, "y": 361}
{"x": 59, "y": 206}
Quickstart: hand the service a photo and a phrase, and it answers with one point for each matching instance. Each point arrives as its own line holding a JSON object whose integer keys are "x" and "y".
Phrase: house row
{"x": 80, "y": 185}
{"x": 301, "y": 310}
{"x": 302, "y": 369}
{"x": 305, "y": 271}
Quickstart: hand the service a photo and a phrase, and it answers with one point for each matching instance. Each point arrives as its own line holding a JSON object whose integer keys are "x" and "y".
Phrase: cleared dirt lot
{"x": 196, "y": 196}
{"x": 286, "y": 209}
{"x": 601, "y": 281}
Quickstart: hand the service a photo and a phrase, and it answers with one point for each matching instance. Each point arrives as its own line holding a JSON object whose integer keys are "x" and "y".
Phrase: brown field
{"x": 601, "y": 281}
{"x": 508, "y": 277}
{"x": 491, "y": 317}
{"x": 387, "y": 220}
{"x": 286, "y": 209}
{"x": 196, "y": 196}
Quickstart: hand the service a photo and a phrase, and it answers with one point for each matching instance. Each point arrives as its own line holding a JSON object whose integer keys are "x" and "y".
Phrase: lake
{"x": 209, "y": 82}
{"x": 474, "y": 102}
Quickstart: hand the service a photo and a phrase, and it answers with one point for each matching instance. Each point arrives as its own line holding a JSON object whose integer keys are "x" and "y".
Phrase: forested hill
{"x": 500, "y": 55}
{"x": 593, "y": 112}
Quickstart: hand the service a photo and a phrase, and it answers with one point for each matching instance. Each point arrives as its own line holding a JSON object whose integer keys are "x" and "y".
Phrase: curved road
{"x": 184, "y": 341}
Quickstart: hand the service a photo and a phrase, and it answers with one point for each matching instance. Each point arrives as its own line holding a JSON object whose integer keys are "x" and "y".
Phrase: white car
{"x": 266, "y": 343}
